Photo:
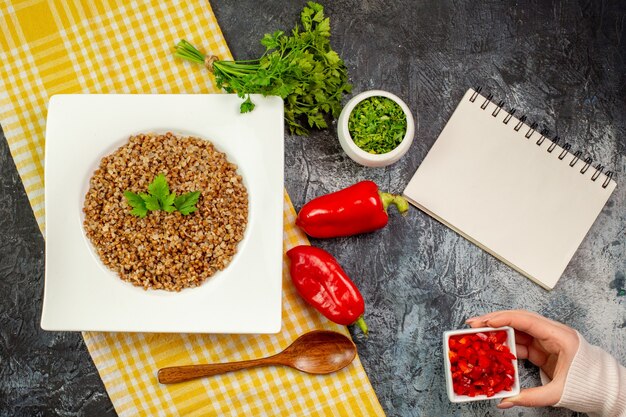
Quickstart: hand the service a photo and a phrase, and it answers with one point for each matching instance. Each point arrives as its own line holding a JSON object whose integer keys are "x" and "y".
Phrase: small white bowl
{"x": 359, "y": 155}
{"x": 510, "y": 342}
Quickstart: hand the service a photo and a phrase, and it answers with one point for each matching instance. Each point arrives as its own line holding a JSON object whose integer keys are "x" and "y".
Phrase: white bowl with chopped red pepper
{"x": 375, "y": 128}
{"x": 480, "y": 364}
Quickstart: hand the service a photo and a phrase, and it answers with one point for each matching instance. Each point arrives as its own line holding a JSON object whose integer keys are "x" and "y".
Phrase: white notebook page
{"x": 505, "y": 193}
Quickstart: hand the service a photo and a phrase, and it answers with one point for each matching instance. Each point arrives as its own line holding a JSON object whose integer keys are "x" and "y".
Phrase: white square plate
{"x": 82, "y": 294}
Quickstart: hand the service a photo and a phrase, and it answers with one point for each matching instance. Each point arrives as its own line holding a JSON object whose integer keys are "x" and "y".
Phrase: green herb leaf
{"x": 167, "y": 204}
{"x": 159, "y": 188}
{"x": 160, "y": 198}
{"x": 137, "y": 203}
{"x": 247, "y": 105}
{"x": 152, "y": 202}
{"x": 271, "y": 41}
{"x": 186, "y": 203}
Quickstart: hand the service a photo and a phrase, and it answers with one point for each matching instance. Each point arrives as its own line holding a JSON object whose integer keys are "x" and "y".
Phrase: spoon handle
{"x": 175, "y": 374}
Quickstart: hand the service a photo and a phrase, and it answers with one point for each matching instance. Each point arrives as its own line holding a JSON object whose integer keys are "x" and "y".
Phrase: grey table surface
{"x": 561, "y": 63}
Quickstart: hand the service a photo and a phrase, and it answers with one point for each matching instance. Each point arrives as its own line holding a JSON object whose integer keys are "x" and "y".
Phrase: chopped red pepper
{"x": 322, "y": 283}
{"x": 360, "y": 208}
{"x": 481, "y": 363}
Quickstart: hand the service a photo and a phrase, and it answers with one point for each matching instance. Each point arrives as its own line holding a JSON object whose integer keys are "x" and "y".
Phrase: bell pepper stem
{"x": 361, "y": 323}
{"x": 400, "y": 202}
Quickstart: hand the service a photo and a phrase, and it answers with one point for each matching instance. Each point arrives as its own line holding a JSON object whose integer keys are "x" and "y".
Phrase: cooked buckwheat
{"x": 166, "y": 250}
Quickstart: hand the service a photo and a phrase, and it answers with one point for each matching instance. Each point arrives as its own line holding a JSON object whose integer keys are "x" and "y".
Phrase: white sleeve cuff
{"x": 595, "y": 384}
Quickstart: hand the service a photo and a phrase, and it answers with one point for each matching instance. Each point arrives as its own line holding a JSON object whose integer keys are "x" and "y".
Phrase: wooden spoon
{"x": 317, "y": 352}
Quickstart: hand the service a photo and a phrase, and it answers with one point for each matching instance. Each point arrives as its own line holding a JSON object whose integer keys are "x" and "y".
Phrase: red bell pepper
{"x": 360, "y": 208}
{"x": 323, "y": 284}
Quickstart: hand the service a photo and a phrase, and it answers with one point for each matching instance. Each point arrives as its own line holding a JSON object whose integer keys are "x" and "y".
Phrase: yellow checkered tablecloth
{"x": 108, "y": 46}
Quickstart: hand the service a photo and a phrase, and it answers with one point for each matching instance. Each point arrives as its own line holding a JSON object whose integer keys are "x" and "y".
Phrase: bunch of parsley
{"x": 302, "y": 69}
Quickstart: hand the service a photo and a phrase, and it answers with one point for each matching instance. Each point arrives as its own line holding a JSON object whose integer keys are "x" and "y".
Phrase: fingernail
{"x": 505, "y": 404}
{"x": 471, "y": 320}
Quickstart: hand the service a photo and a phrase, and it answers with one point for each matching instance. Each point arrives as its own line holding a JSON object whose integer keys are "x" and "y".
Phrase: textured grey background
{"x": 561, "y": 63}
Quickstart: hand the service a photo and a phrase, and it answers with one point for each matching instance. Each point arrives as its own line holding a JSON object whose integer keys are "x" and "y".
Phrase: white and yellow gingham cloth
{"x": 114, "y": 46}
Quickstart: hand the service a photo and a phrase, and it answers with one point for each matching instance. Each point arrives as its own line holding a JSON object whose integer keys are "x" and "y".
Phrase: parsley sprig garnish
{"x": 159, "y": 197}
{"x": 302, "y": 69}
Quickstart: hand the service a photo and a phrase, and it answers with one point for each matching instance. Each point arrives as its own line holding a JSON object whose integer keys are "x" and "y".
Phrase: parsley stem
{"x": 240, "y": 61}
{"x": 226, "y": 66}
{"x": 233, "y": 70}
{"x": 189, "y": 52}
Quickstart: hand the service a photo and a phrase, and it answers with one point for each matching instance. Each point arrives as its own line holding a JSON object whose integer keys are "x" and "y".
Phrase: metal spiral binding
{"x": 497, "y": 110}
{"x": 555, "y": 141}
{"x": 543, "y": 134}
{"x": 576, "y": 158}
{"x": 599, "y": 169}
{"x": 519, "y": 124}
{"x": 476, "y": 93}
{"x": 565, "y": 150}
{"x": 585, "y": 167}
{"x": 532, "y": 129}
{"x": 508, "y": 117}
{"x": 607, "y": 181}
{"x": 487, "y": 101}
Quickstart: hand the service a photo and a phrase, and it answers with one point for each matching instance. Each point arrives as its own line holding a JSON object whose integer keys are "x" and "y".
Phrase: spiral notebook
{"x": 509, "y": 189}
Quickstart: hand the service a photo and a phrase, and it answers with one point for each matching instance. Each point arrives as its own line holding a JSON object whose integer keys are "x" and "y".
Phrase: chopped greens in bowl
{"x": 377, "y": 125}
{"x": 375, "y": 128}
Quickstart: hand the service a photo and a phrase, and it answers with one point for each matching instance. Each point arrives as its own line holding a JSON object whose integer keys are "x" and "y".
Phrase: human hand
{"x": 546, "y": 343}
